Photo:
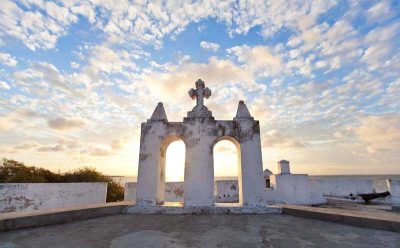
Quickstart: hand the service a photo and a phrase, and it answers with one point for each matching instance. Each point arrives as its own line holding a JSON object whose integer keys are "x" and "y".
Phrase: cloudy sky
{"x": 323, "y": 77}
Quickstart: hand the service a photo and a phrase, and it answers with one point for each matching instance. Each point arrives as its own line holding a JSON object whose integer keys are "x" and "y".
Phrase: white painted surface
{"x": 173, "y": 191}
{"x": 224, "y": 191}
{"x": 200, "y": 132}
{"x": 40, "y": 196}
{"x": 394, "y": 188}
{"x": 292, "y": 189}
{"x": 283, "y": 167}
{"x": 218, "y": 208}
{"x": 343, "y": 186}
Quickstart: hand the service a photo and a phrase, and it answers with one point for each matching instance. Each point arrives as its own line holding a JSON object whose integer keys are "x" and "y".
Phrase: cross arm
{"x": 192, "y": 93}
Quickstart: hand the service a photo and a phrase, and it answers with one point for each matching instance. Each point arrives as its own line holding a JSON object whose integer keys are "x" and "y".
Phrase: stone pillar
{"x": 251, "y": 158}
{"x": 251, "y": 166}
{"x": 149, "y": 161}
{"x": 151, "y": 175}
{"x": 199, "y": 170}
{"x": 283, "y": 167}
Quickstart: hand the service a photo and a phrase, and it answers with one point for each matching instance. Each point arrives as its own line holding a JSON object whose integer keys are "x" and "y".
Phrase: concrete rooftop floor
{"x": 128, "y": 230}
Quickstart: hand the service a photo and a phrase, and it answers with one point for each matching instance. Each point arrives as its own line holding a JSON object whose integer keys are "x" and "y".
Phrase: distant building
{"x": 267, "y": 173}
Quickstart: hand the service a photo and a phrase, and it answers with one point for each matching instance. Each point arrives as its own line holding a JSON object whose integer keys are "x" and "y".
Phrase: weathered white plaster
{"x": 173, "y": 191}
{"x": 283, "y": 167}
{"x": 224, "y": 191}
{"x": 218, "y": 208}
{"x": 340, "y": 187}
{"x": 394, "y": 189}
{"x": 40, "y": 196}
{"x": 291, "y": 188}
{"x": 200, "y": 132}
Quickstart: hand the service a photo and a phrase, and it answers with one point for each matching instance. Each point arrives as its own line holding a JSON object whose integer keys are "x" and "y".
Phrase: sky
{"x": 323, "y": 78}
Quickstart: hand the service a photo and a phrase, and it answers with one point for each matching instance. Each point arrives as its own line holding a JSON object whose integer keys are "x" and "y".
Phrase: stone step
{"x": 25, "y": 219}
{"x": 219, "y": 208}
{"x": 385, "y": 221}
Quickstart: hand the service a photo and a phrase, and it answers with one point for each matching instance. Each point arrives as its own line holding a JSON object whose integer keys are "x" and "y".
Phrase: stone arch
{"x": 234, "y": 141}
{"x": 166, "y": 141}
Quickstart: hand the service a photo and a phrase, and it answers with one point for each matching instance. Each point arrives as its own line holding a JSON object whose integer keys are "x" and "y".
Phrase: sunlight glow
{"x": 175, "y": 162}
{"x": 225, "y": 160}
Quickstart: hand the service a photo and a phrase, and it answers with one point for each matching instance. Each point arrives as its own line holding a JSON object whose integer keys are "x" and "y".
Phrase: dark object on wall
{"x": 372, "y": 196}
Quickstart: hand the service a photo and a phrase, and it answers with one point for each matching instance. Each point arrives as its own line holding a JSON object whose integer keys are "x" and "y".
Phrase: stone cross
{"x": 199, "y": 93}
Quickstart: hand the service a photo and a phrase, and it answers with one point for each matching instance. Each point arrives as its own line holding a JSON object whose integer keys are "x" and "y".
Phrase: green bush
{"x": 12, "y": 171}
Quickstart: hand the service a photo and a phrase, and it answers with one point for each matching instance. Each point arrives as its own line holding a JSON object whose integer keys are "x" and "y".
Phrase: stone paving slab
{"x": 132, "y": 230}
{"x": 384, "y": 221}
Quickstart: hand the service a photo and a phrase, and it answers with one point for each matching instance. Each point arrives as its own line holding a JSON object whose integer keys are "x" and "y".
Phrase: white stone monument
{"x": 200, "y": 132}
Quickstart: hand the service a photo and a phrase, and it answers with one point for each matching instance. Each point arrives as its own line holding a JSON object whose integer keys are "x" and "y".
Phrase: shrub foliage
{"x": 12, "y": 171}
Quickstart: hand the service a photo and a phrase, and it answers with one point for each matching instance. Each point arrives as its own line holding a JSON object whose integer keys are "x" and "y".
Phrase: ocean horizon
{"x": 125, "y": 179}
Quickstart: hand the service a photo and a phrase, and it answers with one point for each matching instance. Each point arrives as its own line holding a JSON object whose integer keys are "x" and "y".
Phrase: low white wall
{"x": 292, "y": 189}
{"x": 40, "y": 196}
{"x": 173, "y": 191}
{"x": 224, "y": 191}
{"x": 337, "y": 186}
{"x": 394, "y": 188}
{"x": 130, "y": 191}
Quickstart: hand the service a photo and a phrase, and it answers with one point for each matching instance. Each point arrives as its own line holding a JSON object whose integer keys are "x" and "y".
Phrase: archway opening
{"x": 227, "y": 171}
{"x": 172, "y": 167}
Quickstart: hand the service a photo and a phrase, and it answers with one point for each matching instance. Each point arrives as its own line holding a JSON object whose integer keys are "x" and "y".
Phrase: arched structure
{"x": 160, "y": 199}
{"x": 239, "y": 175}
{"x": 199, "y": 131}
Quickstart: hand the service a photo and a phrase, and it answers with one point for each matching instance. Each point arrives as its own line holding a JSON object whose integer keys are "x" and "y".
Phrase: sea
{"x": 379, "y": 179}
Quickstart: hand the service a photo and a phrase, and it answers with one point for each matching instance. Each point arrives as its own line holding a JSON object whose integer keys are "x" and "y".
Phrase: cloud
{"x": 26, "y": 113}
{"x": 177, "y": 79}
{"x": 379, "y": 132}
{"x": 55, "y": 148}
{"x": 34, "y": 29}
{"x": 209, "y": 46}
{"x": 324, "y": 46}
{"x": 97, "y": 151}
{"x": 259, "y": 59}
{"x": 4, "y": 85}
{"x": 104, "y": 59}
{"x": 41, "y": 24}
{"x": 65, "y": 124}
{"x": 274, "y": 138}
{"x": 381, "y": 44}
{"x": 74, "y": 65}
{"x": 27, "y": 145}
{"x": 85, "y": 9}
{"x": 305, "y": 70}
{"x": 118, "y": 144}
{"x": 380, "y": 12}
{"x": 8, "y": 60}
{"x": 5, "y": 123}
{"x": 100, "y": 152}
